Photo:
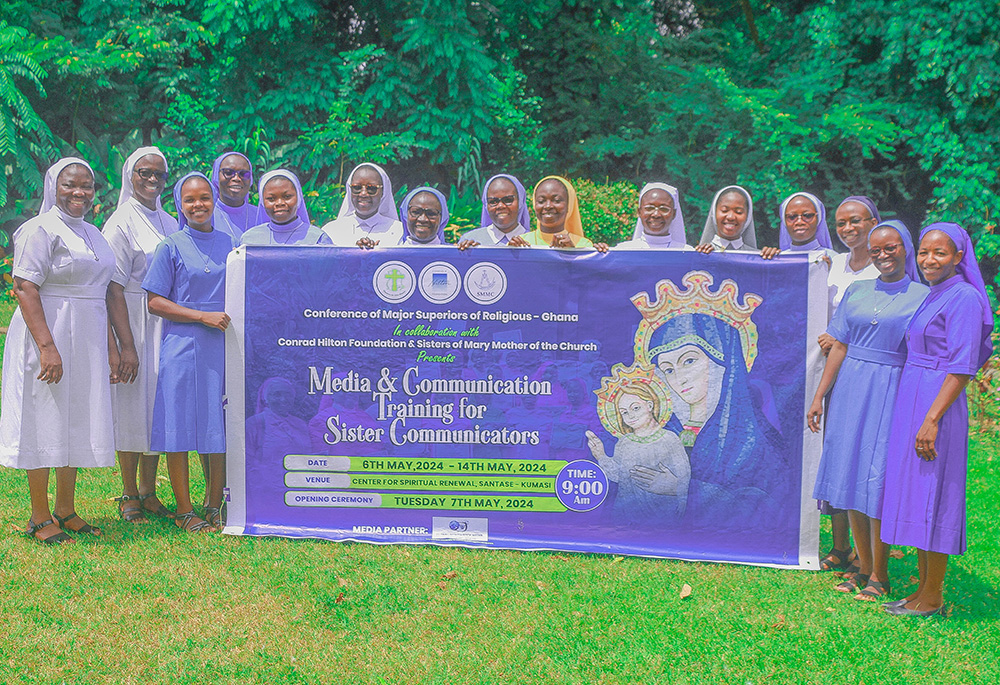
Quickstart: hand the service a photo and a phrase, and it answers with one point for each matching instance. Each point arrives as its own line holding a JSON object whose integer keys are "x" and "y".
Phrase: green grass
{"x": 149, "y": 604}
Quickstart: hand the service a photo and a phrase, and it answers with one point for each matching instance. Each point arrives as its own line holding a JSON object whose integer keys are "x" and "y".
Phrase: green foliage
{"x": 608, "y": 211}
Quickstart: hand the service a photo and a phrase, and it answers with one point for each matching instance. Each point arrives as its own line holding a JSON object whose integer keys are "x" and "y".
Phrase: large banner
{"x": 646, "y": 403}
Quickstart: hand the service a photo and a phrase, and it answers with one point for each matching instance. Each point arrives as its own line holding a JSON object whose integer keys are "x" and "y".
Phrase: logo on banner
{"x": 460, "y": 529}
{"x": 439, "y": 282}
{"x": 394, "y": 282}
{"x": 485, "y": 283}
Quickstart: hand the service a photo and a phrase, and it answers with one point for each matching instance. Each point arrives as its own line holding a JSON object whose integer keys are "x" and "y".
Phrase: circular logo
{"x": 485, "y": 283}
{"x": 439, "y": 282}
{"x": 394, "y": 282}
{"x": 581, "y": 485}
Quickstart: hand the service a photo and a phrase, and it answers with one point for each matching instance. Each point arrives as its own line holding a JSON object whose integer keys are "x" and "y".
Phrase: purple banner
{"x": 642, "y": 402}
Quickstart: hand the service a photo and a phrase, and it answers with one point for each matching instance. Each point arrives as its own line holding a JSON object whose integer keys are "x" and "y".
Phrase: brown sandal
{"x": 133, "y": 514}
{"x": 86, "y": 528}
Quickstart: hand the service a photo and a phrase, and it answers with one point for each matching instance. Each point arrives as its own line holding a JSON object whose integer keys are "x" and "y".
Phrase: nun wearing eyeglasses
{"x": 425, "y": 214}
{"x": 367, "y": 216}
{"x": 660, "y": 224}
{"x": 505, "y": 217}
{"x": 803, "y": 224}
{"x": 134, "y": 230}
{"x": 232, "y": 177}
{"x": 285, "y": 212}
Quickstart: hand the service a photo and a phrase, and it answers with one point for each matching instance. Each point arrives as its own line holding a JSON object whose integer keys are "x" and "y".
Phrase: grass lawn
{"x": 149, "y": 604}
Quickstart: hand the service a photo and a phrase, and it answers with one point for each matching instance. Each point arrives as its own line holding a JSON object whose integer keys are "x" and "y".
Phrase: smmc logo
{"x": 439, "y": 282}
{"x": 394, "y": 282}
{"x": 485, "y": 283}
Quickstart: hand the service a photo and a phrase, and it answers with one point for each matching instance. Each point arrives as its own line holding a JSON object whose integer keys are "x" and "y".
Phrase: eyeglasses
{"x": 227, "y": 173}
{"x": 506, "y": 199}
{"x": 805, "y": 216}
{"x": 855, "y": 221}
{"x": 148, "y": 174}
{"x": 662, "y": 209}
{"x": 889, "y": 250}
{"x": 417, "y": 212}
{"x": 357, "y": 188}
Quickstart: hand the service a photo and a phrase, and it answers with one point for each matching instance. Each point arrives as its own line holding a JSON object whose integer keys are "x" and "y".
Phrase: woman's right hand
{"x": 367, "y": 243}
{"x": 562, "y": 239}
{"x": 219, "y": 320}
{"x": 518, "y": 241}
{"x": 596, "y": 446}
{"x": 51, "y": 364}
{"x": 705, "y": 248}
{"x": 825, "y": 341}
{"x": 814, "y": 414}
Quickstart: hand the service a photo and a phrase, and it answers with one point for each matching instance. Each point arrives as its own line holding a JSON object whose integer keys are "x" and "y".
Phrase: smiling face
{"x": 75, "y": 190}
{"x": 366, "y": 191}
{"x": 687, "y": 372}
{"x": 731, "y": 214}
{"x": 280, "y": 199}
{"x": 635, "y": 411}
{"x": 423, "y": 216}
{"x": 551, "y": 205}
{"x": 801, "y": 219}
{"x": 938, "y": 257}
{"x": 854, "y": 222}
{"x": 502, "y": 204}
{"x": 234, "y": 180}
{"x": 197, "y": 203}
{"x": 888, "y": 254}
{"x": 149, "y": 175}
{"x": 656, "y": 211}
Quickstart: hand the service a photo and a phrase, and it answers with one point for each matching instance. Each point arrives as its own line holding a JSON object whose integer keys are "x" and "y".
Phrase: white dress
{"x": 347, "y": 230}
{"x": 841, "y": 276}
{"x": 133, "y": 232}
{"x": 67, "y": 423}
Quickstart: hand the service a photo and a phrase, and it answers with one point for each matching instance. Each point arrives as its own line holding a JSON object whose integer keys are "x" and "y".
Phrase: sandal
{"x": 133, "y": 514}
{"x": 85, "y": 528}
{"x": 852, "y": 584}
{"x": 835, "y": 559}
{"x": 190, "y": 523}
{"x": 214, "y": 517}
{"x": 159, "y": 511}
{"x": 850, "y": 570}
{"x": 32, "y": 532}
{"x": 874, "y": 591}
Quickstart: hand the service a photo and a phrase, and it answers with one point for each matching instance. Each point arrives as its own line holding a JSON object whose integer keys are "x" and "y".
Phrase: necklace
{"x": 88, "y": 243}
{"x": 286, "y": 241}
{"x": 204, "y": 257}
{"x": 876, "y": 311}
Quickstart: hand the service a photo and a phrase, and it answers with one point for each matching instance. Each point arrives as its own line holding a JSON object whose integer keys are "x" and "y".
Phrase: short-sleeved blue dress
{"x": 856, "y": 440}
{"x": 924, "y": 503}
{"x": 189, "y": 267}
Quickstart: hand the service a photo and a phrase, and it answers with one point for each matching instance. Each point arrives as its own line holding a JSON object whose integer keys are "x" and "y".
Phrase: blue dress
{"x": 856, "y": 439}
{"x": 924, "y": 504}
{"x": 189, "y": 267}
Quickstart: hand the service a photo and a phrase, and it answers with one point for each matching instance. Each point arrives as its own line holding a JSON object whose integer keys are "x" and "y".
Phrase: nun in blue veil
{"x": 737, "y": 474}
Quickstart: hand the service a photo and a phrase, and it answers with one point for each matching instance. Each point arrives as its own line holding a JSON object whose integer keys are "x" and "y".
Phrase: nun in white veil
{"x": 134, "y": 230}
{"x": 660, "y": 221}
{"x": 730, "y": 227}
{"x": 367, "y": 213}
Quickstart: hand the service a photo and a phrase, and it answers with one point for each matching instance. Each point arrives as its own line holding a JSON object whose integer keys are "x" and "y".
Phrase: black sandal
{"x": 159, "y": 511}
{"x": 214, "y": 517}
{"x": 190, "y": 523}
{"x": 131, "y": 514}
{"x": 852, "y": 584}
{"x": 835, "y": 559}
{"x": 86, "y": 528}
{"x": 32, "y": 532}
{"x": 874, "y": 591}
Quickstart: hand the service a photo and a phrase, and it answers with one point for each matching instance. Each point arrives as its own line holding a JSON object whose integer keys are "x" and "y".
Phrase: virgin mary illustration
{"x": 703, "y": 345}
{"x": 648, "y": 463}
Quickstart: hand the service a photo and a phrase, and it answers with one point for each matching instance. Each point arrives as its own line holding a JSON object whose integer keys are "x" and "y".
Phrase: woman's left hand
{"x": 562, "y": 240}
{"x": 601, "y": 247}
{"x": 769, "y": 252}
{"x": 466, "y": 244}
{"x": 926, "y": 439}
{"x": 115, "y": 364}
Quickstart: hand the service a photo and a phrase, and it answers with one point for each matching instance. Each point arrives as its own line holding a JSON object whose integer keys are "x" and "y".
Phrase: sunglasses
{"x": 506, "y": 199}
{"x": 357, "y": 188}
{"x": 148, "y": 174}
{"x": 888, "y": 250}
{"x": 417, "y": 212}
{"x": 227, "y": 174}
{"x": 805, "y": 216}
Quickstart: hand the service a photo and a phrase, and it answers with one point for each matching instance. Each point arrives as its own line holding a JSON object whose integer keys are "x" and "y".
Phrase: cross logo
{"x": 394, "y": 276}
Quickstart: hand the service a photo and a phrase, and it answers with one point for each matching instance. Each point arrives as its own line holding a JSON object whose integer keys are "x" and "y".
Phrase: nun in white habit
{"x": 55, "y": 410}
{"x": 134, "y": 230}
{"x": 660, "y": 222}
{"x": 367, "y": 213}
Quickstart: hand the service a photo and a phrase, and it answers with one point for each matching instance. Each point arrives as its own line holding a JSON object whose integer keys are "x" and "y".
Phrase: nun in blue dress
{"x": 186, "y": 284}
{"x": 948, "y": 340}
{"x": 866, "y": 361}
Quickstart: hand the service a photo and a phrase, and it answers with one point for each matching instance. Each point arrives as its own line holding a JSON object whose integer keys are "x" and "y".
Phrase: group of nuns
{"x": 909, "y": 325}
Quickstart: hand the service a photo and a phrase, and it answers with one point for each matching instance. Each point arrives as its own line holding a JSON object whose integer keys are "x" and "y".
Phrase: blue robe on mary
{"x": 856, "y": 439}
{"x": 189, "y": 268}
